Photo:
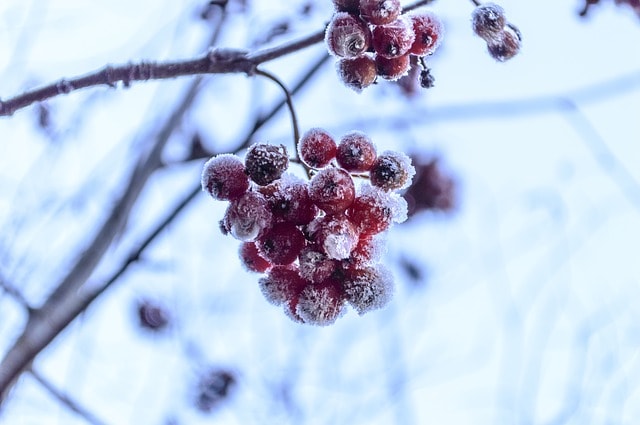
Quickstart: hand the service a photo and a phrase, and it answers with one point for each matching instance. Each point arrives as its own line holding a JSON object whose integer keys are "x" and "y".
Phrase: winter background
{"x": 518, "y": 307}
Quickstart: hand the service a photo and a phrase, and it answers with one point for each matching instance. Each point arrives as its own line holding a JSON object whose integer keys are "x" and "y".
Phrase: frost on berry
{"x": 394, "y": 39}
{"x": 223, "y": 177}
{"x": 506, "y": 45}
{"x": 380, "y": 12}
{"x": 351, "y": 6}
{"x": 317, "y": 147}
{"x": 265, "y": 163}
{"x": 281, "y": 244}
{"x": 356, "y": 152}
{"x": 394, "y": 68}
{"x": 315, "y": 265}
{"x": 392, "y": 170}
{"x": 289, "y": 200}
{"x": 281, "y": 284}
{"x": 321, "y": 304}
{"x": 428, "y": 31}
{"x": 347, "y": 36}
{"x": 335, "y": 234}
{"x": 488, "y": 20}
{"x": 357, "y": 73}
{"x": 251, "y": 258}
{"x": 368, "y": 288}
{"x": 374, "y": 210}
{"x": 248, "y": 217}
{"x": 332, "y": 190}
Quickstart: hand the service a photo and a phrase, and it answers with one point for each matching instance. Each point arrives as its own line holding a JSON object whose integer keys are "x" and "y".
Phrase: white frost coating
{"x": 217, "y": 166}
{"x": 405, "y": 164}
{"x": 370, "y": 291}
{"x": 339, "y": 246}
{"x": 399, "y": 208}
{"x": 249, "y": 217}
{"x": 320, "y": 306}
{"x": 396, "y": 204}
{"x": 346, "y": 36}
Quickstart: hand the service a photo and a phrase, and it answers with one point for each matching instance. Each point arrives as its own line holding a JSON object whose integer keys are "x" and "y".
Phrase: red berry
{"x": 248, "y": 217}
{"x": 336, "y": 235}
{"x": 251, "y": 258}
{"x": 356, "y": 152}
{"x": 374, "y": 210}
{"x": 368, "y": 251}
{"x": 223, "y": 177}
{"x": 506, "y": 45}
{"x": 321, "y": 304}
{"x": 265, "y": 163}
{"x": 428, "y": 30}
{"x": 332, "y": 190}
{"x": 317, "y": 148}
{"x": 392, "y": 171}
{"x": 380, "y": 12}
{"x": 347, "y": 35}
{"x": 315, "y": 265}
{"x": 281, "y": 284}
{"x": 368, "y": 288}
{"x": 357, "y": 73}
{"x": 394, "y": 39}
{"x": 488, "y": 20}
{"x": 281, "y": 244}
{"x": 394, "y": 68}
{"x": 289, "y": 200}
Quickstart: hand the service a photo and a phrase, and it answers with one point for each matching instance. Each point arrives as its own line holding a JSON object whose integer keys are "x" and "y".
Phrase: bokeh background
{"x": 518, "y": 305}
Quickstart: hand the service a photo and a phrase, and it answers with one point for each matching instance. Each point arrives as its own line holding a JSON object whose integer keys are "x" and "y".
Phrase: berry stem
{"x": 476, "y": 2}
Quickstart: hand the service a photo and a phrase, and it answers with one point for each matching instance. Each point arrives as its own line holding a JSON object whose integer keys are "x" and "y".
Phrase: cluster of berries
{"x": 373, "y": 38}
{"x": 503, "y": 38}
{"x": 316, "y": 240}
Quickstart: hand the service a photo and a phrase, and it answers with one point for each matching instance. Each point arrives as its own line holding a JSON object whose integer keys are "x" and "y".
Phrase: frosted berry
{"x": 374, "y": 210}
{"x": 251, "y": 258}
{"x": 380, "y": 12}
{"x": 223, "y": 177}
{"x": 368, "y": 288}
{"x": 321, "y": 304}
{"x": 317, "y": 147}
{"x": 428, "y": 31}
{"x": 281, "y": 244}
{"x": 347, "y": 36}
{"x": 352, "y": 6}
{"x": 488, "y": 20}
{"x": 332, "y": 190}
{"x": 265, "y": 163}
{"x": 506, "y": 45}
{"x": 315, "y": 265}
{"x": 394, "y": 68}
{"x": 290, "y": 201}
{"x": 356, "y": 152}
{"x": 357, "y": 73}
{"x": 281, "y": 284}
{"x": 248, "y": 217}
{"x": 392, "y": 171}
{"x": 336, "y": 235}
{"x": 394, "y": 39}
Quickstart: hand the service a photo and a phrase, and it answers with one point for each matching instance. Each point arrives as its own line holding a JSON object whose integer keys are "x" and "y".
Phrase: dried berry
{"x": 488, "y": 21}
{"x": 392, "y": 171}
{"x": 506, "y": 45}
{"x": 265, "y": 163}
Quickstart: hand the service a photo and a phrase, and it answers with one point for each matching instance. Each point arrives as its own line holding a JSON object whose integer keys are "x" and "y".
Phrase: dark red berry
{"x": 368, "y": 288}
{"x": 506, "y": 45}
{"x": 392, "y": 171}
{"x": 317, "y": 147}
{"x": 265, "y": 163}
{"x": 374, "y": 210}
{"x": 428, "y": 31}
{"x": 394, "y": 68}
{"x": 356, "y": 152}
{"x": 281, "y": 244}
{"x": 223, "y": 177}
{"x": 281, "y": 284}
{"x": 332, "y": 190}
{"x": 394, "y": 39}
{"x": 380, "y": 12}
{"x": 289, "y": 200}
{"x": 248, "y": 217}
{"x": 321, "y": 304}
{"x": 347, "y": 36}
{"x": 488, "y": 21}
{"x": 335, "y": 235}
{"x": 251, "y": 258}
{"x": 315, "y": 265}
{"x": 357, "y": 73}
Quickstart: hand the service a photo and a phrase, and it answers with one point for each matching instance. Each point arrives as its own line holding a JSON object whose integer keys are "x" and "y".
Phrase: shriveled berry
{"x": 394, "y": 68}
{"x": 315, "y": 265}
{"x": 317, "y": 147}
{"x": 321, "y": 304}
{"x": 357, "y": 73}
{"x": 356, "y": 152}
{"x": 248, "y": 217}
{"x": 506, "y": 45}
{"x": 289, "y": 200}
{"x": 153, "y": 316}
{"x": 251, "y": 258}
{"x": 428, "y": 30}
{"x": 281, "y": 244}
{"x": 394, "y": 39}
{"x": 392, "y": 171}
{"x": 336, "y": 235}
{"x": 223, "y": 177}
{"x": 352, "y": 6}
{"x": 332, "y": 190}
{"x": 281, "y": 284}
{"x": 488, "y": 21}
{"x": 347, "y": 36}
{"x": 368, "y": 288}
{"x": 380, "y": 12}
{"x": 374, "y": 210}
{"x": 265, "y": 163}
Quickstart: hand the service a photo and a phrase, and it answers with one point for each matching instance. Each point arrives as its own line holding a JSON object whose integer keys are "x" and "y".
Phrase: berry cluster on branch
{"x": 318, "y": 241}
{"x": 503, "y": 38}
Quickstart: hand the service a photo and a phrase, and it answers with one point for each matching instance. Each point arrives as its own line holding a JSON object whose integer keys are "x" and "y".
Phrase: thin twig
{"x": 14, "y": 293}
